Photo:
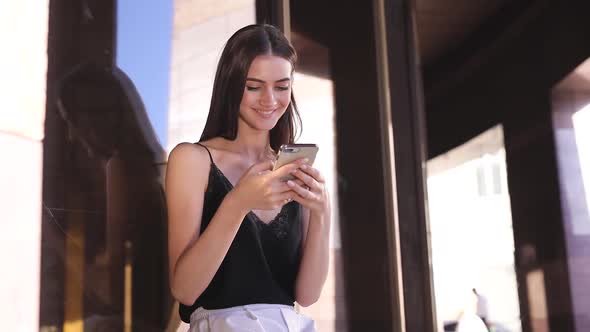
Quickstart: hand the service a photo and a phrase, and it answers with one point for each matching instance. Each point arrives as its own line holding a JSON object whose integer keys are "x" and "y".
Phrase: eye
{"x": 282, "y": 88}
{"x": 252, "y": 88}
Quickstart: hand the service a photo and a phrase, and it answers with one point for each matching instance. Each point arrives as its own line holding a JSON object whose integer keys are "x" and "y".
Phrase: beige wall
{"x": 23, "y": 64}
{"x": 201, "y": 28}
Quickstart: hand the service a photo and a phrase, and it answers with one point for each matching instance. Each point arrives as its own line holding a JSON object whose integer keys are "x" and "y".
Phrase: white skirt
{"x": 251, "y": 318}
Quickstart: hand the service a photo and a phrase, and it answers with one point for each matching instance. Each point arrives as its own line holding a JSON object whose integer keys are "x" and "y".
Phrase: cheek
{"x": 247, "y": 99}
{"x": 284, "y": 99}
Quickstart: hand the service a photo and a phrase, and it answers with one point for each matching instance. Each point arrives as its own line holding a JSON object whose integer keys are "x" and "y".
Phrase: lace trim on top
{"x": 279, "y": 225}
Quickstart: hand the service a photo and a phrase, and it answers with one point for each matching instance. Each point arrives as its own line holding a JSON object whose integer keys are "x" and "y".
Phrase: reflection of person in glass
{"x": 243, "y": 245}
{"x": 104, "y": 113}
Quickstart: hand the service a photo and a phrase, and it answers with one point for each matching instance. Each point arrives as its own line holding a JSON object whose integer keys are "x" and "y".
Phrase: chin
{"x": 258, "y": 123}
{"x": 265, "y": 126}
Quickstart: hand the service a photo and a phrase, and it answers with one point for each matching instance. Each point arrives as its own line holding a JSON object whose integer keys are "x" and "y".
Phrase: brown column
{"x": 369, "y": 267}
{"x": 540, "y": 248}
{"x": 78, "y": 31}
{"x": 404, "y": 87}
{"x": 380, "y": 157}
{"x": 574, "y": 192}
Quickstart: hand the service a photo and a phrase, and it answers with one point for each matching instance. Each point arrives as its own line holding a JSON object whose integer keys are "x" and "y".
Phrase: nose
{"x": 268, "y": 98}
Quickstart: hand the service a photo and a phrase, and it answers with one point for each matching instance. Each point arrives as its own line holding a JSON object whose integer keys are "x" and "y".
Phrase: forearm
{"x": 314, "y": 262}
{"x": 199, "y": 263}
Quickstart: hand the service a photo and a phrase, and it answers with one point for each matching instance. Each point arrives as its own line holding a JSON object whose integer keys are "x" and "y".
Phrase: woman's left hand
{"x": 311, "y": 193}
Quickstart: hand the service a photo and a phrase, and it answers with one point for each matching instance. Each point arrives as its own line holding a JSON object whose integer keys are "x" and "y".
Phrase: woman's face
{"x": 267, "y": 92}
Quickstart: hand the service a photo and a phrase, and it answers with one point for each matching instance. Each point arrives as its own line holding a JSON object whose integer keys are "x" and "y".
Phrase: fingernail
{"x": 294, "y": 171}
{"x": 304, "y": 166}
{"x": 290, "y": 183}
{"x": 305, "y": 160}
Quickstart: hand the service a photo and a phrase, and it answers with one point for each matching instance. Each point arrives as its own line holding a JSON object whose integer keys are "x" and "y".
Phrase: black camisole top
{"x": 262, "y": 262}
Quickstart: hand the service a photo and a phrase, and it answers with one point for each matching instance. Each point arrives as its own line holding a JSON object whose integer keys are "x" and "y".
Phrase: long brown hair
{"x": 230, "y": 80}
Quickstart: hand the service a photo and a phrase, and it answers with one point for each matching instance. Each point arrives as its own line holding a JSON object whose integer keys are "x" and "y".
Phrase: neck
{"x": 251, "y": 143}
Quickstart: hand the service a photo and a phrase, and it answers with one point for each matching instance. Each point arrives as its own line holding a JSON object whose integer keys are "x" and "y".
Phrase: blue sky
{"x": 144, "y": 42}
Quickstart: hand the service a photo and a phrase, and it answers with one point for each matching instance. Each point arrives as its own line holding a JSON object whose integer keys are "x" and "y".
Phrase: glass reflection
{"x": 112, "y": 220}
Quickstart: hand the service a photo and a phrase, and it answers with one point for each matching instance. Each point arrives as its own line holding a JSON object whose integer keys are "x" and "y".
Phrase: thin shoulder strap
{"x": 209, "y": 152}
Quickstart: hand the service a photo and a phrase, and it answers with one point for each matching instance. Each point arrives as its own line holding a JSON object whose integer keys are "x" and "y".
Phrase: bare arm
{"x": 316, "y": 237}
{"x": 314, "y": 262}
{"x": 194, "y": 259}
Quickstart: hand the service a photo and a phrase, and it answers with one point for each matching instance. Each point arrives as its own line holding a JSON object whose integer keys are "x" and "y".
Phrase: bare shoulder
{"x": 188, "y": 152}
{"x": 187, "y": 175}
{"x": 188, "y": 161}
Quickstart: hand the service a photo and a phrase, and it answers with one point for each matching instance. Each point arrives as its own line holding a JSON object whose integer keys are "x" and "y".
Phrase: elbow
{"x": 305, "y": 300}
{"x": 183, "y": 296}
{"x": 181, "y": 291}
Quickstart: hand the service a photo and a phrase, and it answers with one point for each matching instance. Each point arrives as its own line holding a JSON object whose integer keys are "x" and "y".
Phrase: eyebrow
{"x": 261, "y": 81}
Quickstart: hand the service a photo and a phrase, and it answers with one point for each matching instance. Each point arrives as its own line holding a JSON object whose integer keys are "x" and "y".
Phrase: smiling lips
{"x": 265, "y": 114}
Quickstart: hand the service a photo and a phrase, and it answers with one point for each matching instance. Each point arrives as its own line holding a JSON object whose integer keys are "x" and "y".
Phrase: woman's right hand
{"x": 260, "y": 188}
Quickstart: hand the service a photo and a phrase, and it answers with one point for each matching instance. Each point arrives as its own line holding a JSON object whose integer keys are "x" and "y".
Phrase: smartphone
{"x": 290, "y": 152}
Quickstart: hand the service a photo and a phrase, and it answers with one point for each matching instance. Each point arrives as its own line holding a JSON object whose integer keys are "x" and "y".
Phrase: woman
{"x": 243, "y": 245}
